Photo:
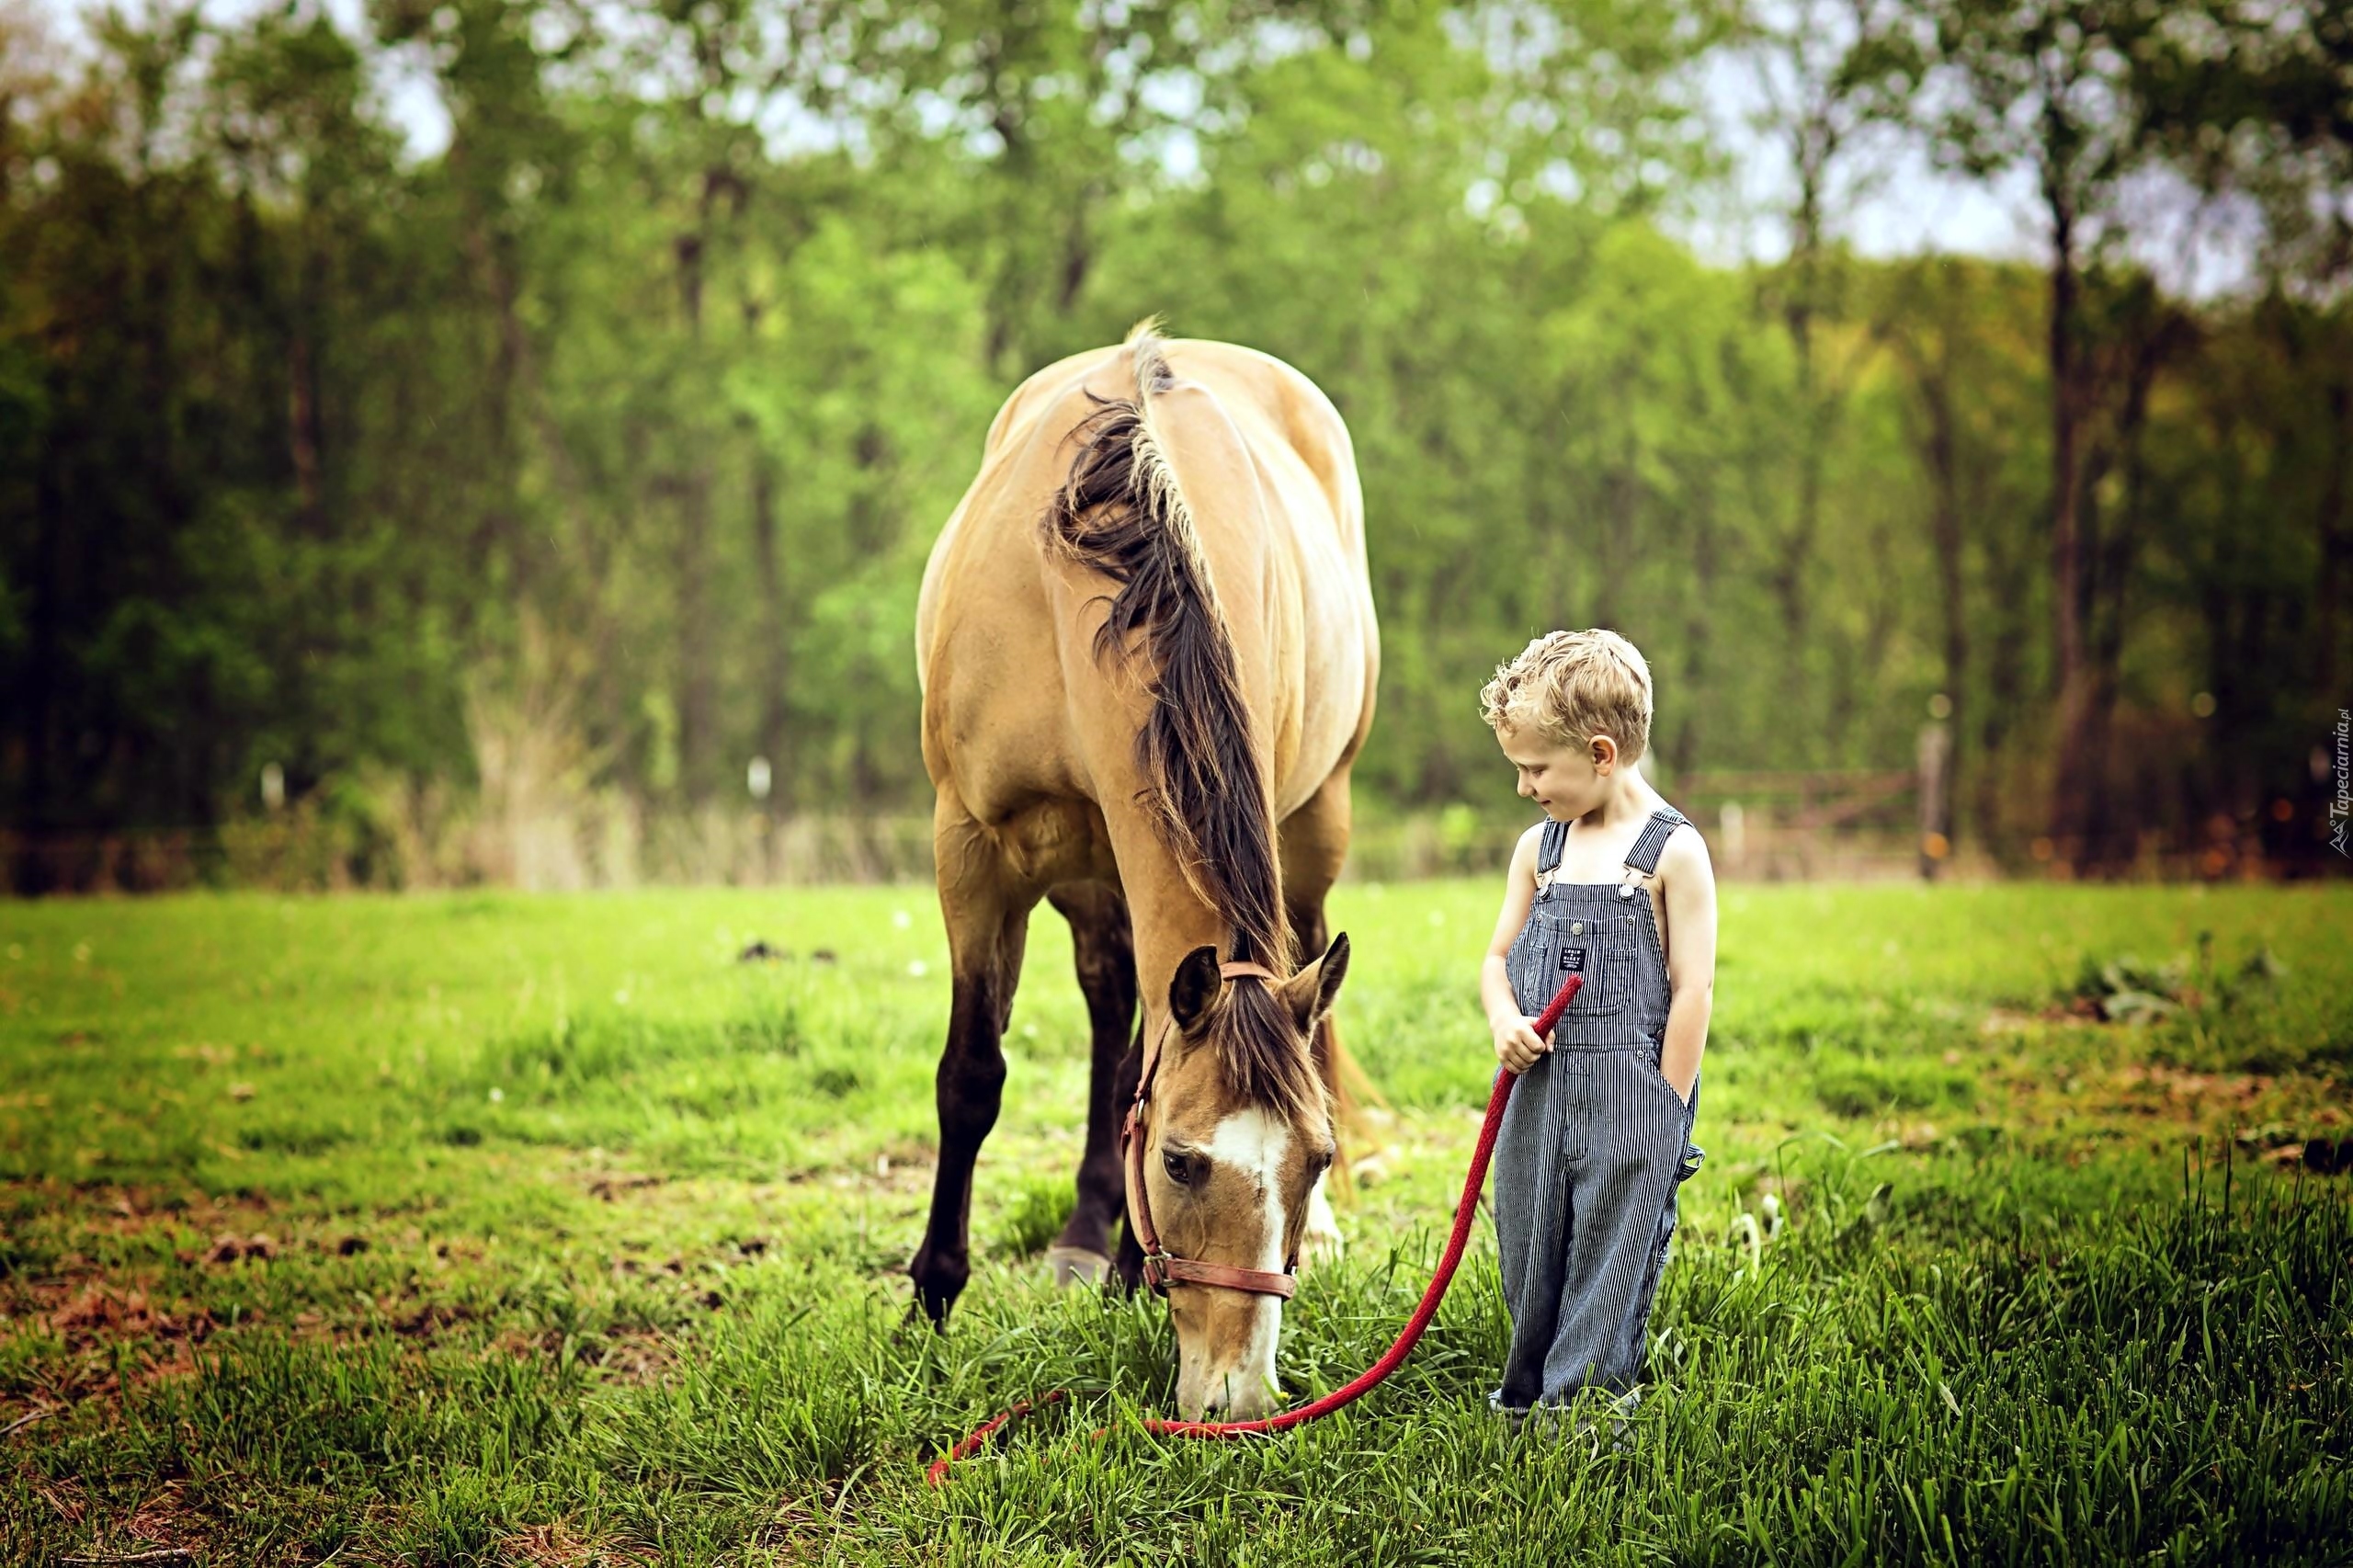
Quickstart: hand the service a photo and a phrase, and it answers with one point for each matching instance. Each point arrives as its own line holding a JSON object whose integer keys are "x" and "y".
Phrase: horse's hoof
{"x": 1320, "y": 1239}
{"x": 1077, "y": 1266}
{"x": 919, "y": 1314}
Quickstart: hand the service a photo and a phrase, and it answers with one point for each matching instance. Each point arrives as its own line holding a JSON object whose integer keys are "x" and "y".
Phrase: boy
{"x": 1597, "y": 1140}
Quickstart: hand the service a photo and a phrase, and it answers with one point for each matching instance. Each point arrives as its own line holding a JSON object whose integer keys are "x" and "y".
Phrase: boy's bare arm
{"x": 1518, "y": 1045}
{"x": 1687, "y": 882}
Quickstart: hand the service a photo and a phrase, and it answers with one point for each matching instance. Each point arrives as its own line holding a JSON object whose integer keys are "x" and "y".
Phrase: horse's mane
{"x": 1122, "y": 512}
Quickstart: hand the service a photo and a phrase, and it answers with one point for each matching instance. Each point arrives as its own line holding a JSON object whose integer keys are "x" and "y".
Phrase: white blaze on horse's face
{"x": 1229, "y": 1362}
{"x": 1238, "y": 1196}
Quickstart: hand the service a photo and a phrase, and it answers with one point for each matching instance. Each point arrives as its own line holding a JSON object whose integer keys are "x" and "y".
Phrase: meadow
{"x": 493, "y": 1228}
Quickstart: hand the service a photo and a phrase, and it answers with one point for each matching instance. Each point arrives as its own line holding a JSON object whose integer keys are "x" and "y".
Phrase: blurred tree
{"x": 2255, "y": 98}
{"x": 1819, "y": 109}
{"x": 553, "y": 474}
{"x": 2253, "y": 103}
{"x": 2045, "y": 87}
{"x": 1969, "y": 380}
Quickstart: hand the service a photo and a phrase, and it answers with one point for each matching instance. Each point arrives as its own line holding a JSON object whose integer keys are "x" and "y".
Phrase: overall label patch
{"x": 1572, "y": 960}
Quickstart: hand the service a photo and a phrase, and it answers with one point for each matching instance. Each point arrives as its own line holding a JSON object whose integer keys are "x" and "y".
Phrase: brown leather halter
{"x": 1162, "y": 1267}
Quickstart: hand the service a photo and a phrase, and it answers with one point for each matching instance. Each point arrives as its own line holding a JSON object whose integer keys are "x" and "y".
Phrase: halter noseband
{"x": 1162, "y": 1267}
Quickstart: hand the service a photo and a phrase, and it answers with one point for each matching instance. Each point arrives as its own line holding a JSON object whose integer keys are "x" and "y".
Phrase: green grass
{"x": 576, "y": 1240}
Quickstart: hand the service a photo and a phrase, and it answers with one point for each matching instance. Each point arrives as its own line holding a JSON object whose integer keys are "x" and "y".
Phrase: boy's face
{"x": 1567, "y": 780}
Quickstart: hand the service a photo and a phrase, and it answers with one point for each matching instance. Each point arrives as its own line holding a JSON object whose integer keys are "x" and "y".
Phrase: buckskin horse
{"x": 1148, "y": 654}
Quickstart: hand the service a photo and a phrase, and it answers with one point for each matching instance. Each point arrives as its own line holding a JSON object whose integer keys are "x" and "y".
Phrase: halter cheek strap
{"x": 1163, "y": 1268}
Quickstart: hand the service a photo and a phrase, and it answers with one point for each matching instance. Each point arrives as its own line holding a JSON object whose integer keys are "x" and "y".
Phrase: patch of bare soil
{"x": 559, "y": 1546}
{"x": 228, "y": 1248}
{"x": 2080, "y": 1014}
{"x": 2153, "y": 1088}
{"x": 631, "y": 1355}
{"x": 2285, "y": 1122}
{"x": 432, "y": 1319}
{"x": 98, "y": 1314}
{"x": 64, "y": 1500}
{"x": 93, "y": 1318}
{"x": 120, "y": 1210}
{"x": 164, "y": 1521}
{"x": 1911, "y": 1135}
{"x": 804, "y": 1527}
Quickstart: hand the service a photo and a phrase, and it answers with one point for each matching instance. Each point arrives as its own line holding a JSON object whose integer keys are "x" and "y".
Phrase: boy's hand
{"x": 1518, "y": 1045}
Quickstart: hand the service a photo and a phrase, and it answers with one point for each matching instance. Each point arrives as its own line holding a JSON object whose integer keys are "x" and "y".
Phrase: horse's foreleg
{"x": 1104, "y": 952}
{"x": 985, "y": 933}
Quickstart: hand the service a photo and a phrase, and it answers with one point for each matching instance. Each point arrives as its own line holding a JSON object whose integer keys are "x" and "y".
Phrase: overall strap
{"x": 1644, "y": 856}
{"x": 1549, "y": 847}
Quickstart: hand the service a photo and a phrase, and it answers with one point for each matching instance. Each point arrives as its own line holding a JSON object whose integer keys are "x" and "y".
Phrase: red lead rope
{"x": 1373, "y": 1376}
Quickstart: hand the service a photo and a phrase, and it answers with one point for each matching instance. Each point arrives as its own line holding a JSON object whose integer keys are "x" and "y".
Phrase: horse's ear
{"x": 1195, "y": 987}
{"x": 1310, "y": 992}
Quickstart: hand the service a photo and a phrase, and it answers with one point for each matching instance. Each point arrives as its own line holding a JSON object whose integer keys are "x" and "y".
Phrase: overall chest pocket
{"x": 1560, "y": 943}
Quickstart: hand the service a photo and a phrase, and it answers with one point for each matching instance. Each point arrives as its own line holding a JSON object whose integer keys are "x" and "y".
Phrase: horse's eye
{"x": 1178, "y": 1165}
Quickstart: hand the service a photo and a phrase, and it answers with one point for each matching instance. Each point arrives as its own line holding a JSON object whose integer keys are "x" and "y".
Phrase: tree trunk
{"x": 1613, "y": 561}
{"x": 514, "y": 381}
{"x": 1078, "y": 254}
{"x": 2108, "y": 845}
{"x": 1941, "y": 450}
{"x": 39, "y": 720}
{"x": 2007, "y": 572}
{"x": 1926, "y": 354}
{"x": 303, "y": 433}
{"x": 2105, "y": 840}
{"x": 2335, "y": 542}
{"x": 1696, "y": 625}
{"x": 697, "y": 682}
{"x": 698, "y": 693}
{"x": 775, "y": 651}
{"x": 1794, "y": 549}
{"x": 2066, "y": 818}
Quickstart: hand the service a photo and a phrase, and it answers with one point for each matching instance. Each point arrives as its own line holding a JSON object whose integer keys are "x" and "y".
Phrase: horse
{"x": 1147, "y": 652}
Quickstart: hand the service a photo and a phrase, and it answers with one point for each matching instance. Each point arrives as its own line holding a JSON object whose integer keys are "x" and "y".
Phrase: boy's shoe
{"x": 1568, "y": 1423}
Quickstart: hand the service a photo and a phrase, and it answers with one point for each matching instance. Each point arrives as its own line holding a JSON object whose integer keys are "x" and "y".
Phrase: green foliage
{"x": 2126, "y": 989}
{"x": 537, "y": 483}
{"x": 2192, "y": 993}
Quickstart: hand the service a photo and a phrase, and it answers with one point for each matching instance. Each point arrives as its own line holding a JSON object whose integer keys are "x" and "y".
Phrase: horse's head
{"x": 1237, "y": 1132}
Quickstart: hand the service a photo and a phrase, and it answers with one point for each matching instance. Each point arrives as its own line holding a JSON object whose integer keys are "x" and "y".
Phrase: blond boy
{"x": 1614, "y": 886}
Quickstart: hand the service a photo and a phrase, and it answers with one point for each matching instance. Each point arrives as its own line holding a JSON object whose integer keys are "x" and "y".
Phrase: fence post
{"x": 1936, "y": 822}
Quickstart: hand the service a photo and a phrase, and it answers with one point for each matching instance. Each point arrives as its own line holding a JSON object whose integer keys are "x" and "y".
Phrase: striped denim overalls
{"x": 1595, "y": 1141}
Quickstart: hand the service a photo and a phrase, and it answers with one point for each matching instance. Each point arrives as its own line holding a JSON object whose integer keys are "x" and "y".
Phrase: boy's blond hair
{"x": 1572, "y": 686}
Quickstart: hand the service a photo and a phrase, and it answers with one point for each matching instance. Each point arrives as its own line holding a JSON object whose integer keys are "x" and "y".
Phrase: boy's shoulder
{"x": 1685, "y": 848}
{"x": 1523, "y": 854}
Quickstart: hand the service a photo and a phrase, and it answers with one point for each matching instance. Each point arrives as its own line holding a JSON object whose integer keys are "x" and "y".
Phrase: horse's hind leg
{"x": 988, "y": 921}
{"x": 1314, "y": 844}
{"x": 1105, "y": 950}
{"x": 1320, "y": 1239}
